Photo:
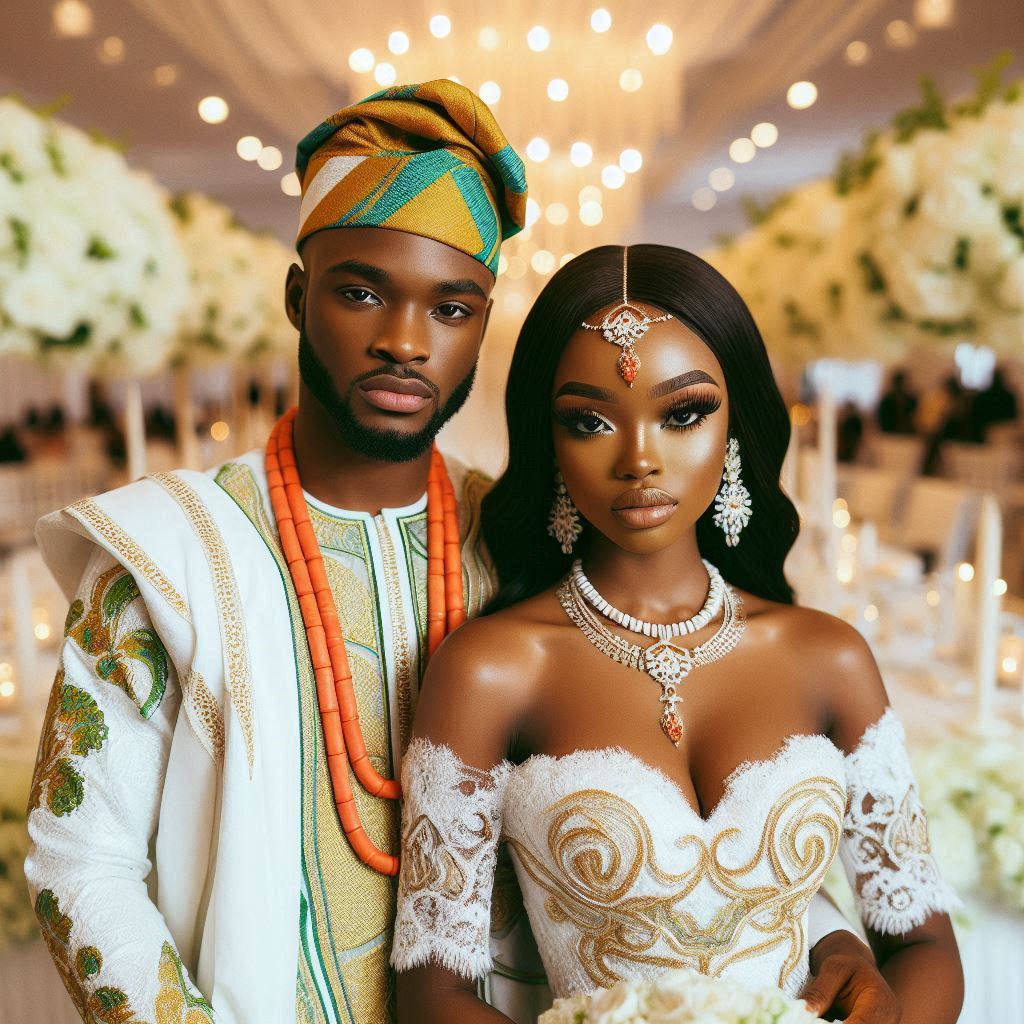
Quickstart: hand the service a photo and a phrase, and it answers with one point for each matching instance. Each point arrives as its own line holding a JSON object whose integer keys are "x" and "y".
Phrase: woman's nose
{"x": 638, "y": 457}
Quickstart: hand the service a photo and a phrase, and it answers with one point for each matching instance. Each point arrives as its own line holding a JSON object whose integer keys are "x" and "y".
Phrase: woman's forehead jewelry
{"x": 625, "y": 325}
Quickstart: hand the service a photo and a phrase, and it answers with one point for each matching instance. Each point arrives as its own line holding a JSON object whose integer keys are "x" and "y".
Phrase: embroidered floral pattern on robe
{"x": 133, "y": 659}
{"x": 73, "y": 728}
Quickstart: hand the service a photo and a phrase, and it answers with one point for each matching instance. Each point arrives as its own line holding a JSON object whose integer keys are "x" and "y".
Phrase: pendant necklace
{"x": 665, "y": 662}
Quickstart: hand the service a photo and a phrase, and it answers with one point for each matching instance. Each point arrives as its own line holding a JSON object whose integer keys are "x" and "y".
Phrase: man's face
{"x": 390, "y": 326}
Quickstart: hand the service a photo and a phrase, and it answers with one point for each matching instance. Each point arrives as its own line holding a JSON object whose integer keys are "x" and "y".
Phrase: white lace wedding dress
{"x": 621, "y": 878}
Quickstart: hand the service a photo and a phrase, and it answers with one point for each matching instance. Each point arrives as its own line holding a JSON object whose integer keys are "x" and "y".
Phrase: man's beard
{"x": 384, "y": 445}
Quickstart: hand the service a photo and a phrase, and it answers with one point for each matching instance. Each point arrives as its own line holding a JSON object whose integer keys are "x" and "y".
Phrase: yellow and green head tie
{"x": 428, "y": 159}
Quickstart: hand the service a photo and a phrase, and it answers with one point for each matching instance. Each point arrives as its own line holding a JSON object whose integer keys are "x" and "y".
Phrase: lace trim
{"x": 885, "y": 848}
{"x": 451, "y": 824}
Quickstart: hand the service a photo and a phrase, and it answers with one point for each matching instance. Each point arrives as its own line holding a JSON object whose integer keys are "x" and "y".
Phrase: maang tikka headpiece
{"x": 624, "y": 326}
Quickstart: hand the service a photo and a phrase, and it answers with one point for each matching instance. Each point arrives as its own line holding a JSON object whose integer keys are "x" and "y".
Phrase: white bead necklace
{"x": 664, "y": 631}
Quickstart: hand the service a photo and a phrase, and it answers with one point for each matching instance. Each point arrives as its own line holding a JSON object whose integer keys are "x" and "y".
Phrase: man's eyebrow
{"x": 683, "y": 380}
{"x": 367, "y": 271}
{"x": 575, "y": 387}
{"x": 464, "y": 286}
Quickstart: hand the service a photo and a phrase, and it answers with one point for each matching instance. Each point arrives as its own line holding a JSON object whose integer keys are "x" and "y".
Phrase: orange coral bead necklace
{"x": 339, "y": 712}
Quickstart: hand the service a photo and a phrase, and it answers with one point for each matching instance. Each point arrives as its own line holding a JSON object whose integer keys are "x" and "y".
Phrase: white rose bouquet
{"x": 236, "y": 310}
{"x": 973, "y": 790}
{"x": 680, "y": 996}
{"x": 917, "y": 238}
{"x": 91, "y": 273}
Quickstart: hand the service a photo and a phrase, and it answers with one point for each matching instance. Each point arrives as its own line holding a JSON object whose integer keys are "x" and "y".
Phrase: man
{"x": 193, "y": 725}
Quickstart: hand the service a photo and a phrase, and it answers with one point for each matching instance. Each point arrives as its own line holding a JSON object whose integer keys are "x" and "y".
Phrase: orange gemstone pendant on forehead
{"x": 624, "y": 326}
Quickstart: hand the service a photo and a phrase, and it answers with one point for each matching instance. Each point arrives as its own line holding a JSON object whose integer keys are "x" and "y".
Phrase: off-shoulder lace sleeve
{"x": 885, "y": 848}
{"x": 451, "y": 824}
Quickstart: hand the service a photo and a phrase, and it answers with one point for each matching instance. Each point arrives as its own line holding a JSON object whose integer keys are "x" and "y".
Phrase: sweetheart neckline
{"x": 740, "y": 772}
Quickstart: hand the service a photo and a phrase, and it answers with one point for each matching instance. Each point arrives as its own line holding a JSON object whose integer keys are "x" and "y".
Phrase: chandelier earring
{"x": 564, "y": 521}
{"x": 732, "y": 505}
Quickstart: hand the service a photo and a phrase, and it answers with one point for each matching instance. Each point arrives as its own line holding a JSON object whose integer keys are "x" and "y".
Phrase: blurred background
{"x": 854, "y": 167}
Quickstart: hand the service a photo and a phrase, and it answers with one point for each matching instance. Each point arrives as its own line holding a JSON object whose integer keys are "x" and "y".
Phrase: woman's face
{"x": 643, "y": 463}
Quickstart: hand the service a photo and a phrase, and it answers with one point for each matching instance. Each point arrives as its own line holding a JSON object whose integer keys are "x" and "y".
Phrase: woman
{"x": 673, "y": 750}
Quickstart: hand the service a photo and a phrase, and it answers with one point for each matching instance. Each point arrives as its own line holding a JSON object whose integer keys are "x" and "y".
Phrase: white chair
{"x": 938, "y": 518}
{"x": 988, "y": 467}
{"x": 874, "y": 495}
{"x": 896, "y": 452}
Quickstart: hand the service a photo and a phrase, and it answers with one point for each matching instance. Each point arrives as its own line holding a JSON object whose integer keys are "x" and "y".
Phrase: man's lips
{"x": 644, "y": 507}
{"x": 396, "y": 394}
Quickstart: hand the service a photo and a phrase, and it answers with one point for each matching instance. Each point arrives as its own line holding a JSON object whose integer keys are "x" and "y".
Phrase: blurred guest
{"x": 957, "y": 424}
{"x": 11, "y": 449}
{"x": 897, "y": 406}
{"x": 100, "y": 413}
{"x": 996, "y": 404}
{"x": 851, "y": 432}
{"x": 255, "y": 394}
{"x": 33, "y": 420}
{"x": 54, "y": 422}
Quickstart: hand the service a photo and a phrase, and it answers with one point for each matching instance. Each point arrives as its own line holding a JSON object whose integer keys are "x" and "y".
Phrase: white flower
{"x": 617, "y": 1005}
{"x": 1009, "y": 855}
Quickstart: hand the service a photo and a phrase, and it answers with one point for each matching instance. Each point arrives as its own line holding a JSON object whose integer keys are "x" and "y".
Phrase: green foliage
{"x": 961, "y": 253}
{"x": 55, "y": 156}
{"x": 76, "y": 339}
{"x": 930, "y": 113}
{"x": 179, "y": 207}
{"x": 990, "y": 85}
{"x": 873, "y": 279}
{"x": 13, "y": 171}
{"x": 855, "y": 169}
{"x": 756, "y": 213}
{"x": 137, "y": 317}
{"x": 100, "y": 249}
{"x": 20, "y": 231}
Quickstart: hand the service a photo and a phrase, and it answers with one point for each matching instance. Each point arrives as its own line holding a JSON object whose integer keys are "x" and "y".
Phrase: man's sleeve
{"x": 94, "y": 806}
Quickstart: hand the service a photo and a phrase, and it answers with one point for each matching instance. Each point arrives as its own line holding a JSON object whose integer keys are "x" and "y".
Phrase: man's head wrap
{"x": 428, "y": 159}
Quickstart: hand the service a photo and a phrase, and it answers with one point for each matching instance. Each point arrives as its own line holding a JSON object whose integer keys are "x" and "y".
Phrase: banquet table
{"x": 931, "y": 707}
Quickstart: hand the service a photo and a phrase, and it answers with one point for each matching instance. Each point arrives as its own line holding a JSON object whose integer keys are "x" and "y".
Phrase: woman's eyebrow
{"x": 575, "y": 387}
{"x": 666, "y": 387}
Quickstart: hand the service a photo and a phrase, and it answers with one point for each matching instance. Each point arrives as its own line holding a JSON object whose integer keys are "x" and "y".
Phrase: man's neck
{"x": 338, "y": 476}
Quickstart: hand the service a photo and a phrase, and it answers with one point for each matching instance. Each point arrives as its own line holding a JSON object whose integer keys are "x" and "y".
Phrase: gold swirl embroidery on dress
{"x": 600, "y": 846}
{"x": 431, "y": 864}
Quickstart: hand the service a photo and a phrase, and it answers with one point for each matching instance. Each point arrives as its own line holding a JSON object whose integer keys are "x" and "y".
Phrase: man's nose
{"x": 404, "y": 338}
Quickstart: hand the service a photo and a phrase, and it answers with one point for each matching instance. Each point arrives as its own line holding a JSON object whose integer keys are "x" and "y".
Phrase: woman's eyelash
{"x": 573, "y": 418}
{"x": 700, "y": 406}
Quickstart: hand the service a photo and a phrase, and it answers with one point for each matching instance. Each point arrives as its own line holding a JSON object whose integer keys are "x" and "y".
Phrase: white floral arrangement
{"x": 17, "y": 919}
{"x": 918, "y": 238}
{"x": 681, "y": 996}
{"x": 237, "y": 277}
{"x": 972, "y": 787}
{"x": 91, "y": 272}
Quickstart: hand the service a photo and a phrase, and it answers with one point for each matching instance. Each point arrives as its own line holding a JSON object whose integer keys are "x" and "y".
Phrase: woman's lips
{"x": 644, "y": 507}
{"x": 395, "y": 394}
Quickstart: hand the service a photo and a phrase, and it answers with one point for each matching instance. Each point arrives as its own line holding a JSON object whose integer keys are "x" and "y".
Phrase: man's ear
{"x": 295, "y": 295}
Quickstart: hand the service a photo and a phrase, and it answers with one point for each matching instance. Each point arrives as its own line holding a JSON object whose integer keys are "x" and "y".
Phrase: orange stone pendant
{"x": 672, "y": 726}
{"x": 629, "y": 364}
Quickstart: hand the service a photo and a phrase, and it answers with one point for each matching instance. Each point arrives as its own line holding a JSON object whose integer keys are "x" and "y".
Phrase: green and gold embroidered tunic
{"x": 377, "y": 567}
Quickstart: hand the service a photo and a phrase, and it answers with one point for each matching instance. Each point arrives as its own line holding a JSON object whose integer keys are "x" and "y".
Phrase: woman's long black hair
{"x": 515, "y": 512}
